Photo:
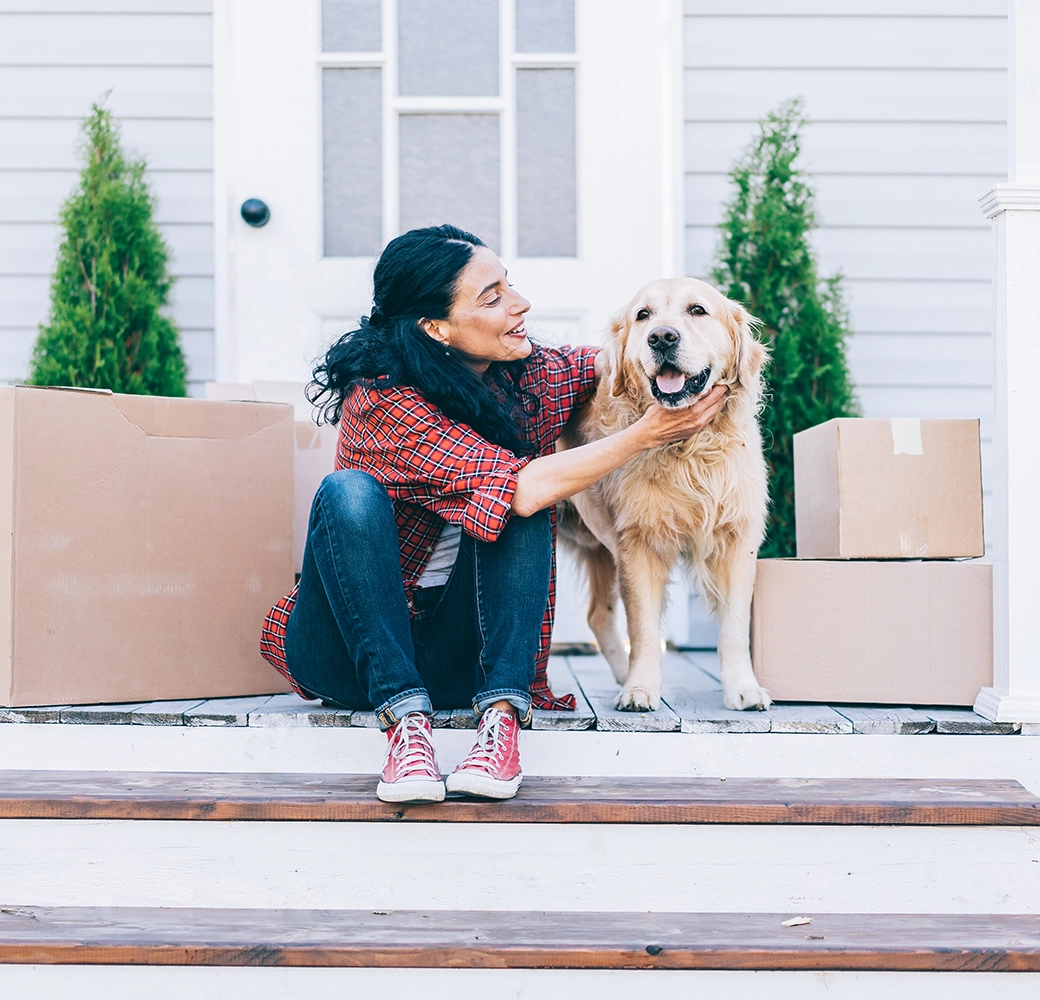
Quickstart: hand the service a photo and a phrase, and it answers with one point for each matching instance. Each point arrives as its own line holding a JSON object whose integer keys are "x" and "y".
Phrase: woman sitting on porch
{"x": 428, "y": 576}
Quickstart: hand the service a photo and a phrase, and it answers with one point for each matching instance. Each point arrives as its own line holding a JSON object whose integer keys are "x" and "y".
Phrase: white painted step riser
{"x": 520, "y": 867}
{"x": 131, "y": 748}
{"x": 175, "y": 983}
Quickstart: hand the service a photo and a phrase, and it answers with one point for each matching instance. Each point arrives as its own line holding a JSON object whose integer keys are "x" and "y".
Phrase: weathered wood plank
{"x": 704, "y": 712}
{"x": 600, "y": 690}
{"x": 496, "y": 939}
{"x": 41, "y": 714}
{"x": 163, "y": 713}
{"x": 806, "y": 719}
{"x": 293, "y": 712}
{"x": 100, "y": 715}
{"x": 224, "y": 711}
{"x": 887, "y": 721}
{"x": 563, "y": 681}
{"x": 338, "y": 797}
{"x": 964, "y": 722}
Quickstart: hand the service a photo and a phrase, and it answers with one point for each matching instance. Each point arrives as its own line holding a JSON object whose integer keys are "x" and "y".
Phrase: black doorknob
{"x": 255, "y": 212}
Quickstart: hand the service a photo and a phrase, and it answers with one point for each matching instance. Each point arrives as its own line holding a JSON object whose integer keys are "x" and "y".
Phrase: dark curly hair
{"x": 417, "y": 278}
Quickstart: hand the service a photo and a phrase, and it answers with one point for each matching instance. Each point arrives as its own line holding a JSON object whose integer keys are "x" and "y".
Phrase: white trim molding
{"x": 1015, "y": 212}
{"x": 1010, "y": 198}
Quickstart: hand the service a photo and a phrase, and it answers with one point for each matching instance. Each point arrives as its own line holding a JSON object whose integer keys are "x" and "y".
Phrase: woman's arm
{"x": 546, "y": 480}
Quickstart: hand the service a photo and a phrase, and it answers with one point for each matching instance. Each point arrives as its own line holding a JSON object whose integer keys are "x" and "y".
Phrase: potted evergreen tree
{"x": 106, "y": 328}
{"x": 765, "y": 260}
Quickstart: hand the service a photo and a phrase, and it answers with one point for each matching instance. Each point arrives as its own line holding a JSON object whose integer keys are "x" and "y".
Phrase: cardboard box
{"x": 315, "y": 446}
{"x": 888, "y": 489}
{"x": 142, "y": 541}
{"x": 901, "y": 633}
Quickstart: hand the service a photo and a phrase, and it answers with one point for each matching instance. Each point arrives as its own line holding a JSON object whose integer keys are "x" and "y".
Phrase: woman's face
{"x": 486, "y": 322}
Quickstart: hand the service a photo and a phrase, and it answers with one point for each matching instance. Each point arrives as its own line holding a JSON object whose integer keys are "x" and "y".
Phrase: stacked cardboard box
{"x": 887, "y": 601}
{"x": 315, "y": 446}
{"x": 142, "y": 541}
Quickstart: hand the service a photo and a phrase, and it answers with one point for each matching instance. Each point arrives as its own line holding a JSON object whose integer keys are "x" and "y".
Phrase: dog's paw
{"x": 746, "y": 696}
{"x": 638, "y": 698}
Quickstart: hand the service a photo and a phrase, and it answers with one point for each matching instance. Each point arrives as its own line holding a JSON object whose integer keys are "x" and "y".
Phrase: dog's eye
{"x": 697, "y": 310}
{"x": 642, "y": 314}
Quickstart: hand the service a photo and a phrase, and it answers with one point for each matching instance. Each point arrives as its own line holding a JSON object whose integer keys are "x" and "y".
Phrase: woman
{"x": 428, "y": 575}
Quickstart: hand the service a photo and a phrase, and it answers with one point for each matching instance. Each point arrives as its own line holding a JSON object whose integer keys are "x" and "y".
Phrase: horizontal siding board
{"x": 862, "y": 200}
{"x": 748, "y": 94}
{"x": 192, "y": 303}
{"x": 106, "y": 39}
{"x": 878, "y": 254}
{"x": 848, "y": 147}
{"x": 846, "y": 42}
{"x": 37, "y": 195}
{"x": 918, "y": 359}
{"x": 30, "y": 249}
{"x": 15, "y": 349}
{"x": 841, "y": 8}
{"x": 145, "y": 7}
{"x": 920, "y": 306}
{"x": 49, "y": 144}
{"x": 136, "y": 91}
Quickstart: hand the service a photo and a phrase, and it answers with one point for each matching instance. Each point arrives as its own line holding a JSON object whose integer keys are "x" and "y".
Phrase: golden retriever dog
{"x": 700, "y": 502}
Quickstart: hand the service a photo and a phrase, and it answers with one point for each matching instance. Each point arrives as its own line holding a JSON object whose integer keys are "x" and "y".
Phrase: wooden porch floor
{"x": 692, "y": 704}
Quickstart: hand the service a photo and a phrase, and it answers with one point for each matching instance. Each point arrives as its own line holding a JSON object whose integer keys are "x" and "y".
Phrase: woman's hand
{"x": 663, "y": 425}
{"x": 551, "y": 478}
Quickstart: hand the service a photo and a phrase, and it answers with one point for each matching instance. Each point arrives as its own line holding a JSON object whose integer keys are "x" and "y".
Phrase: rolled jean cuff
{"x": 392, "y": 711}
{"x": 520, "y": 700}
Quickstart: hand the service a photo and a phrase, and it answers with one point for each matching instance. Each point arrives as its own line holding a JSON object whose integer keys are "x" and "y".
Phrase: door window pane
{"x": 450, "y": 173}
{"x": 353, "y": 161}
{"x": 546, "y": 180}
{"x": 351, "y": 25}
{"x": 448, "y": 48}
{"x": 544, "y": 25}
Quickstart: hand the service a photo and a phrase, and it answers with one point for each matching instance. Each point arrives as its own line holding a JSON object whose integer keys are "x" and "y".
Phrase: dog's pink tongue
{"x": 671, "y": 383}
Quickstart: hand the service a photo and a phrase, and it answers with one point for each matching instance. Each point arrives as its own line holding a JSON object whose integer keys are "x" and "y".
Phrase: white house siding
{"x": 907, "y": 108}
{"x": 56, "y": 57}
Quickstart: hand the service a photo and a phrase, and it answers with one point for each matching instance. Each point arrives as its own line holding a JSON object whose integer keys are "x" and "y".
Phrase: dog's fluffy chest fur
{"x": 683, "y": 498}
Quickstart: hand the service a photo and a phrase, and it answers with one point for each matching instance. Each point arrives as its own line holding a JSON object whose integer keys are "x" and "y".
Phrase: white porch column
{"x": 1015, "y": 210}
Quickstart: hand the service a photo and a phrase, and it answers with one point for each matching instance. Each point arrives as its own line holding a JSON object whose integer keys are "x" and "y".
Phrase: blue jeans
{"x": 351, "y": 641}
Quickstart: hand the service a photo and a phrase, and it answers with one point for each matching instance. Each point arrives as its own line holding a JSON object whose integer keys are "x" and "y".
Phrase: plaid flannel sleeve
{"x": 444, "y": 466}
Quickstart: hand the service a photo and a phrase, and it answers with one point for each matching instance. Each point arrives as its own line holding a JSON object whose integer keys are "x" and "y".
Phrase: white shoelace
{"x": 490, "y": 745}
{"x": 411, "y": 746}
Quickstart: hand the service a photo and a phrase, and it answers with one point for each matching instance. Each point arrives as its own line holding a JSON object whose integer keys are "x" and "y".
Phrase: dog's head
{"x": 679, "y": 337}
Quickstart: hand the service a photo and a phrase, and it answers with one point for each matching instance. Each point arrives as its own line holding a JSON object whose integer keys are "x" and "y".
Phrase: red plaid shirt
{"x": 438, "y": 470}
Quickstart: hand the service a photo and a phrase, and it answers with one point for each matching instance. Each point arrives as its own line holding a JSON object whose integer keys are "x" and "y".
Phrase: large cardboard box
{"x": 315, "y": 445}
{"x": 142, "y": 541}
{"x": 888, "y": 489}
{"x": 906, "y": 633}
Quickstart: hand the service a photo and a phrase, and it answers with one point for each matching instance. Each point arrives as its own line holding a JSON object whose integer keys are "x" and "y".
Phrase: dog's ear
{"x": 751, "y": 352}
{"x": 616, "y": 353}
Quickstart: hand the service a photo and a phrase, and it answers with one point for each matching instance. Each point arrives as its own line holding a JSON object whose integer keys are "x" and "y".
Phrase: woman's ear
{"x": 751, "y": 353}
{"x": 435, "y": 328}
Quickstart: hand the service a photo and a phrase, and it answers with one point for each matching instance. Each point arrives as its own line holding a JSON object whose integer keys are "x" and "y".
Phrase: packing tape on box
{"x": 906, "y": 436}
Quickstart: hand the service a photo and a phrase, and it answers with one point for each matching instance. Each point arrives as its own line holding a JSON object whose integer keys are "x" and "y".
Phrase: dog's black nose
{"x": 663, "y": 337}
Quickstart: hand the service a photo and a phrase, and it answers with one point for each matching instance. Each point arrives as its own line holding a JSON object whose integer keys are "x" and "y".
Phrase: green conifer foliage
{"x": 765, "y": 261}
{"x": 106, "y": 329}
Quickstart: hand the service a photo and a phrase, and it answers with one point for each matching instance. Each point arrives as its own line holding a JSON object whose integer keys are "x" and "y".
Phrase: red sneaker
{"x": 492, "y": 769}
{"x": 410, "y": 772}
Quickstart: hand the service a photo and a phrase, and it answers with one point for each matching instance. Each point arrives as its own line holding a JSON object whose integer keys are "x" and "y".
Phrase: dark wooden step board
{"x": 344, "y": 797}
{"x": 517, "y": 939}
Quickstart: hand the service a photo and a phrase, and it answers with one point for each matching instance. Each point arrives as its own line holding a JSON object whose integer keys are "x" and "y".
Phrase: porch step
{"x": 337, "y": 797}
{"x": 500, "y": 940}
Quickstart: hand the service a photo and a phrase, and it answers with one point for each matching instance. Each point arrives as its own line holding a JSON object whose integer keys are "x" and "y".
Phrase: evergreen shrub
{"x": 765, "y": 260}
{"x": 106, "y": 328}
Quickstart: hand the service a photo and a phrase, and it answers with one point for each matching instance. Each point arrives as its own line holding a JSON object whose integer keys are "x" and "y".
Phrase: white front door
{"x": 550, "y": 128}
